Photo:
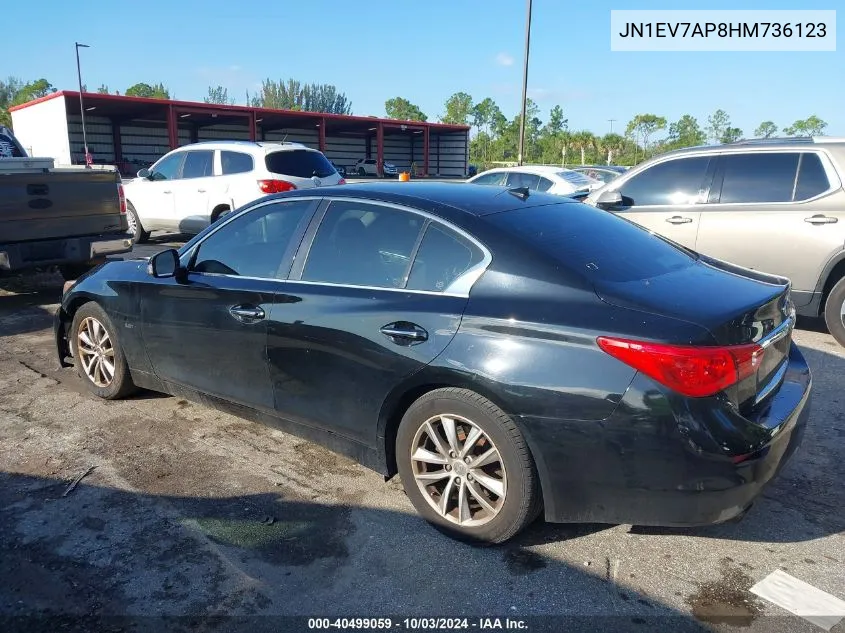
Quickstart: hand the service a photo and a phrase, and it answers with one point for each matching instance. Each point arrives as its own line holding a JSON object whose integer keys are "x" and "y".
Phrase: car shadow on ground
{"x": 21, "y": 301}
{"x": 87, "y": 559}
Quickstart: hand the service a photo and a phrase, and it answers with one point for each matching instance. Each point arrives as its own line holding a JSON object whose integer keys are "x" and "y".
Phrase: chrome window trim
{"x": 460, "y": 287}
{"x": 833, "y": 179}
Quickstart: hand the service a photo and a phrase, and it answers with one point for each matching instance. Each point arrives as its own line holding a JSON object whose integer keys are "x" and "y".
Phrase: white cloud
{"x": 503, "y": 59}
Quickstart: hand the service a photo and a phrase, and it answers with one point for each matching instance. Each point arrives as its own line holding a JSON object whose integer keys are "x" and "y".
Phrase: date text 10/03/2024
{"x": 419, "y": 624}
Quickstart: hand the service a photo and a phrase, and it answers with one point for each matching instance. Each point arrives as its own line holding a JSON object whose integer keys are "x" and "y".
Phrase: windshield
{"x": 300, "y": 163}
{"x": 598, "y": 244}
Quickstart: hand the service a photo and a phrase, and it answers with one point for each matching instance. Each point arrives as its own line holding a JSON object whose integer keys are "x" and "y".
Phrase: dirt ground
{"x": 213, "y": 523}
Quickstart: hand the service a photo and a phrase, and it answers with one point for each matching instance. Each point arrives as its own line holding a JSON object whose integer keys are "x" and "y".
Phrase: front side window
{"x": 168, "y": 167}
{"x": 758, "y": 177}
{"x": 198, "y": 164}
{"x": 235, "y": 162}
{"x": 673, "y": 182}
{"x": 254, "y": 244}
{"x": 363, "y": 244}
{"x": 443, "y": 256}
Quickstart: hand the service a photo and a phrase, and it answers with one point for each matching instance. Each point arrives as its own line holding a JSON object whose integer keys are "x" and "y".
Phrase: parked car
{"x": 507, "y": 354}
{"x": 340, "y": 169}
{"x": 555, "y": 180}
{"x": 775, "y": 205}
{"x": 193, "y": 186}
{"x": 70, "y": 217}
{"x": 369, "y": 167}
{"x": 601, "y": 173}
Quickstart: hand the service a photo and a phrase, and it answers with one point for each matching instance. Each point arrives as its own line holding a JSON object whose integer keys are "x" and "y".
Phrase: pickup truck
{"x": 70, "y": 217}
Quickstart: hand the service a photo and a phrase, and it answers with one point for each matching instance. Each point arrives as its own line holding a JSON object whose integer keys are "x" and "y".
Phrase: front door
{"x": 666, "y": 197}
{"x": 208, "y": 330}
{"x": 153, "y": 197}
{"x": 371, "y": 305}
{"x": 776, "y": 212}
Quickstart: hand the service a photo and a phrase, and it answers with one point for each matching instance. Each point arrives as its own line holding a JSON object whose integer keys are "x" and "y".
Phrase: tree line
{"x": 495, "y": 138}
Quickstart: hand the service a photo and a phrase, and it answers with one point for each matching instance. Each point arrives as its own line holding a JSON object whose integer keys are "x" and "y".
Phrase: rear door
{"x": 781, "y": 212}
{"x": 236, "y": 186}
{"x": 193, "y": 191}
{"x": 666, "y": 197}
{"x": 371, "y": 300}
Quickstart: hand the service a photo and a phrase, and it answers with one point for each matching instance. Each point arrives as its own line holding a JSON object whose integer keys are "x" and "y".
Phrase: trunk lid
{"x": 735, "y": 305}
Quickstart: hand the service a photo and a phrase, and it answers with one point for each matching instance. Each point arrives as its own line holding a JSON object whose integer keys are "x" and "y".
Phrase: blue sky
{"x": 423, "y": 51}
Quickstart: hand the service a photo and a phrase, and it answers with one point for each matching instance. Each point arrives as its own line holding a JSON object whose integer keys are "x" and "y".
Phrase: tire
{"x": 834, "y": 311}
{"x": 361, "y": 172}
{"x": 505, "y": 515}
{"x": 220, "y": 214}
{"x": 120, "y": 385}
{"x": 139, "y": 235}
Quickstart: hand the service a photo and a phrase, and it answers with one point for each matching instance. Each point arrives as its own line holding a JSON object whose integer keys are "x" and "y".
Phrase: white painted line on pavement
{"x": 800, "y": 598}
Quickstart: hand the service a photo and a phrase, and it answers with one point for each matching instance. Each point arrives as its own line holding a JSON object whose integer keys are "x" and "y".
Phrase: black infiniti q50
{"x": 508, "y": 353}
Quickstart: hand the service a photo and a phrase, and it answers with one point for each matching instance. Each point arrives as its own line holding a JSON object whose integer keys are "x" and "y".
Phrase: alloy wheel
{"x": 459, "y": 470}
{"x": 133, "y": 224}
{"x": 842, "y": 313}
{"x": 96, "y": 352}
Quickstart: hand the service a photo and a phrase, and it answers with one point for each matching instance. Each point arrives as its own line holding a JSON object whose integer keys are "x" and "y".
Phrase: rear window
{"x": 598, "y": 244}
{"x": 574, "y": 177}
{"x": 9, "y": 149}
{"x": 300, "y": 163}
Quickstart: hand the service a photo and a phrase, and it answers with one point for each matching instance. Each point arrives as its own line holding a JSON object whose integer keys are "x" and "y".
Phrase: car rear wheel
{"x": 834, "y": 312}
{"x": 98, "y": 355}
{"x": 361, "y": 172}
{"x": 466, "y": 467}
{"x": 139, "y": 235}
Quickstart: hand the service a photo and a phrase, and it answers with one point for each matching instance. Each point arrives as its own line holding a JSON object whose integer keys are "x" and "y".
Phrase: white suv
{"x": 194, "y": 185}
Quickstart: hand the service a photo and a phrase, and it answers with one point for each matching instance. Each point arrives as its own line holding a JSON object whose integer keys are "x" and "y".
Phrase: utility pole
{"x": 524, "y": 84}
{"x": 82, "y": 105}
{"x": 611, "y": 124}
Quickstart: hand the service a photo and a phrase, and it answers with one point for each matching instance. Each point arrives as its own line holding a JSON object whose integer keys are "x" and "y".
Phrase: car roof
{"x": 616, "y": 168}
{"x": 476, "y": 200}
{"x": 540, "y": 169}
{"x": 267, "y": 146}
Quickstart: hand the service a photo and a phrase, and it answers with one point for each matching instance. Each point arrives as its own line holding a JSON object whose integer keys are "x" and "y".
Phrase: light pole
{"x": 611, "y": 125}
{"x": 524, "y": 84}
{"x": 81, "y": 105}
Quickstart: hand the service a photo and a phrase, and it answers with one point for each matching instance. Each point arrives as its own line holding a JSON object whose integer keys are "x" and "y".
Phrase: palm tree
{"x": 583, "y": 140}
{"x": 612, "y": 143}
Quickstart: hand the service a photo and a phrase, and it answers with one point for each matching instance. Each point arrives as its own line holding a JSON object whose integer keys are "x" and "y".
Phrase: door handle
{"x": 247, "y": 313}
{"x": 168, "y": 191}
{"x": 200, "y": 190}
{"x": 404, "y": 333}
{"x": 821, "y": 219}
{"x": 677, "y": 219}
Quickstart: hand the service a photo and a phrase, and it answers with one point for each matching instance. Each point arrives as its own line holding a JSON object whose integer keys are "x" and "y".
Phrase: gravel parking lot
{"x": 192, "y": 512}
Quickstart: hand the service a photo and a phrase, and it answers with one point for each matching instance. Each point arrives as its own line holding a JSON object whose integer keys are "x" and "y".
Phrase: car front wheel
{"x": 139, "y": 235}
{"x": 97, "y": 353}
{"x": 465, "y": 466}
{"x": 834, "y": 312}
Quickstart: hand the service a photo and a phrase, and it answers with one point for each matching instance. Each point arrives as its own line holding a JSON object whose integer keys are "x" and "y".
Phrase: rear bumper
{"x": 661, "y": 459}
{"x": 68, "y": 250}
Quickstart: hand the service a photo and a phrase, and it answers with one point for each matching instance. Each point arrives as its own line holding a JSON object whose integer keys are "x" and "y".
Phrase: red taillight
{"x": 691, "y": 371}
{"x": 122, "y": 198}
{"x": 342, "y": 181}
{"x": 275, "y": 186}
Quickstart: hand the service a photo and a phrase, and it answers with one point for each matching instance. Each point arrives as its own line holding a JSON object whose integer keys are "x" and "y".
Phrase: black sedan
{"x": 506, "y": 352}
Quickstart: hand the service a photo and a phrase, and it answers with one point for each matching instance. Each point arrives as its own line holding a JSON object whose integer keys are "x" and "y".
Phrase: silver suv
{"x": 774, "y": 205}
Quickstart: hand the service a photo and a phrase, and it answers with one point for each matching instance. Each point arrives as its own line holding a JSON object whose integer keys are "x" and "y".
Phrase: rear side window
{"x": 9, "y": 149}
{"x": 674, "y": 182}
{"x": 235, "y": 162}
{"x": 812, "y": 179}
{"x": 443, "y": 256}
{"x": 496, "y": 178}
{"x": 597, "y": 244}
{"x": 519, "y": 179}
{"x": 198, "y": 164}
{"x": 545, "y": 184}
{"x": 759, "y": 177}
{"x": 300, "y": 163}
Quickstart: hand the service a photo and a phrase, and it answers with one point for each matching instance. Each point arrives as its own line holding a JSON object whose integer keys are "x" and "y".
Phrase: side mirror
{"x": 144, "y": 173}
{"x": 609, "y": 200}
{"x": 164, "y": 264}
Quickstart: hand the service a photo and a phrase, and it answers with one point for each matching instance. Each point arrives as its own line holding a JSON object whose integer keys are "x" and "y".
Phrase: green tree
{"x": 14, "y": 92}
{"x": 219, "y": 95}
{"x": 612, "y": 143}
{"x": 583, "y": 141}
{"x": 731, "y": 135}
{"x": 685, "y": 132}
{"x": 103, "y": 89}
{"x": 811, "y": 126}
{"x": 717, "y": 123}
{"x": 402, "y": 109}
{"x": 459, "y": 109}
{"x": 157, "y": 91}
{"x": 557, "y": 123}
{"x": 767, "y": 129}
{"x": 644, "y": 126}
{"x": 292, "y": 94}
